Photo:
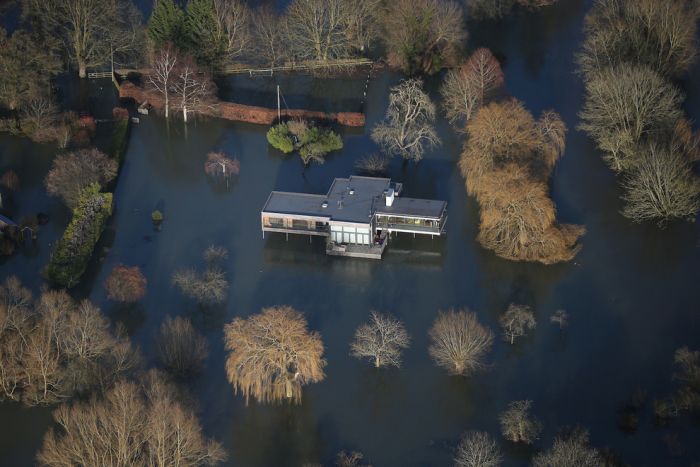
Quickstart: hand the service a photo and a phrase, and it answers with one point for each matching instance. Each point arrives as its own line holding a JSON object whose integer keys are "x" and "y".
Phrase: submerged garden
{"x": 145, "y": 321}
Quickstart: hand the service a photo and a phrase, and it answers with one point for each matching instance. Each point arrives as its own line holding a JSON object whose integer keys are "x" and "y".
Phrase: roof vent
{"x": 389, "y": 196}
{"x": 324, "y": 205}
{"x": 351, "y": 191}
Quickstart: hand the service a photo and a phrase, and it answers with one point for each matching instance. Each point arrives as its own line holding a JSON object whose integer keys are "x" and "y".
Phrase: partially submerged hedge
{"x": 74, "y": 249}
{"x": 120, "y": 140}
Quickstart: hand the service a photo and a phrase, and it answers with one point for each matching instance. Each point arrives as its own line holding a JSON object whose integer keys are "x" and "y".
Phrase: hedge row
{"x": 74, "y": 249}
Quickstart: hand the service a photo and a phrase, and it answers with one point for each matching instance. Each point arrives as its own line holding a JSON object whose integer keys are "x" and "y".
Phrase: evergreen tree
{"x": 201, "y": 31}
{"x": 166, "y": 24}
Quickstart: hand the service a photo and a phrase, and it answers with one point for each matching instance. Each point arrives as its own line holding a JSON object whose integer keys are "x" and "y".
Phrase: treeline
{"x": 633, "y": 52}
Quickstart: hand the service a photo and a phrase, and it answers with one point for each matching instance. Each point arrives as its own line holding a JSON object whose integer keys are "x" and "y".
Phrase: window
{"x": 275, "y": 221}
{"x": 300, "y": 224}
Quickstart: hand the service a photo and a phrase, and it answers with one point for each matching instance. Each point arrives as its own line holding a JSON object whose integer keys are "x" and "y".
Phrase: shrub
{"x": 280, "y": 138}
{"x": 74, "y": 249}
{"x": 73, "y": 171}
{"x": 157, "y": 216}
{"x": 126, "y": 284}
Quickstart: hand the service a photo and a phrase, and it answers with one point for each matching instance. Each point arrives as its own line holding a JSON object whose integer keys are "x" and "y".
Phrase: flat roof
{"x": 413, "y": 207}
{"x": 354, "y": 199}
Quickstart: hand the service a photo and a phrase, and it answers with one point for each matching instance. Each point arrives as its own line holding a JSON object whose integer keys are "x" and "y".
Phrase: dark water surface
{"x": 631, "y": 293}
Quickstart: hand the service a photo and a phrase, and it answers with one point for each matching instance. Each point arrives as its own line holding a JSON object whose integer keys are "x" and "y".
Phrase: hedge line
{"x": 74, "y": 249}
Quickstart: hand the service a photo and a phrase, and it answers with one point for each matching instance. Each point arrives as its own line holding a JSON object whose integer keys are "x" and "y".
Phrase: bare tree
{"x": 9, "y": 180}
{"x": 182, "y": 350}
{"x": 570, "y": 449}
{"x": 233, "y": 27}
{"x": 209, "y": 287}
{"x": 318, "y": 29}
{"x": 470, "y": 86}
{"x": 164, "y": 74}
{"x": 272, "y": 355}
{"x": 561, "y": 318}
{"x": 459, "y": 342}
{"x": 624, "y": 105}
{"x": 518, "y": 425}
{"x": 220, "y": 166}
{"x": 660, "y": 35}
{"x": 92, "y": 30}
{"x": 422, "y": 36}
{"x": 134, "y": 425}
{"x": 374, "y": 163}
{"x": 269, "y": 35}
{"x": 477, "y": 449}
{"x": 517, "y": 321}
{"x": 350, "y": 459}
{"x": 53, "y": 349}
{"x": 662, "y": 186}
{"x": 193, "y": 90}
{"x": 407, "y": 129}
{"x": 73, "y": 171}
{"x": 126, "y": 284}
{"x": 381, "y": 340}
{"x": 363, "y": 26}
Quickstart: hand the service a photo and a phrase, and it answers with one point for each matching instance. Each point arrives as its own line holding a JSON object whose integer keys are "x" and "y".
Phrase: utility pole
{"x": 279, "y": 110}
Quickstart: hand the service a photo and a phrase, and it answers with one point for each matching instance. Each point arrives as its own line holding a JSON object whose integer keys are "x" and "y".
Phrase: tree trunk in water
{"x": 166, "y": 105}
{"x": 288, "y": 388}
{"x": 376, "y": 362}
{"x": 184, "y": 114}
{"x": 82, "y": 69}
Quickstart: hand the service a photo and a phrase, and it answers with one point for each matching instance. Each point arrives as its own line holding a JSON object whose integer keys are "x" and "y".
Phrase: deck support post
{"x": 286, "y": 234}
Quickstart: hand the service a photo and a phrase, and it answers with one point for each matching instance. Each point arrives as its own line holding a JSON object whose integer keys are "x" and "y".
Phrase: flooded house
{"x": 357, "y": 215}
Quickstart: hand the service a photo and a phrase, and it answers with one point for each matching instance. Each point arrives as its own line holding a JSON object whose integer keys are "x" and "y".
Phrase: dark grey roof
{"x": 413, "y": 207}
{"x": 283, "y": 202}
{"x": 7, "y": 220}
{"x": 353, "y": 199}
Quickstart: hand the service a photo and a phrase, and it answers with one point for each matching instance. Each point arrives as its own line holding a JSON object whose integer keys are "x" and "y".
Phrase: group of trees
{"x": 312, "y": 142}
{"x": 686, "y": 398}
{"x": 53, "y": 348}
{"x": 176, "y": 80}
{"x": 507, "y": 160}
{"x": 632, "y": 52}
{"x": 418, "y": 37}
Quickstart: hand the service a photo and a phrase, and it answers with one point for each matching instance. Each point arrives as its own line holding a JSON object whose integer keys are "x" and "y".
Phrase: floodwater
{"x": 631, "y": 293}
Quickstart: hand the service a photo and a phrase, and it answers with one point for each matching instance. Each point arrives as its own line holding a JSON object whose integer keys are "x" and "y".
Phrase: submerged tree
{"x": 269, "y": 39}
{"x": 561, "y": 318}
{"x": 209, "y": 287}
{"x": 517, "y": 321}
{"x": 54, "y": 348}
{"x": 661, "y": 185}
{"x": 272, "y": 355}
{"x": 220, "y": 166}
{"x": 660, "y": 35}
{"x": 469, "y": 87}
{"x": 624, "y": 106}
{"x": 193, "y": 91}
{"x": 459, "y": 342}
{"x": 164, "y": 73}
{"x": 423, "y": 36}
{"x": 182, "y": 350}
{"x": 73, "y": 171}
{"x": 126, "y": 284}
{"x": 518, "y": 425}
{"x": 407, "y": 129}
{"x": 506, "y": 163}
{"x": 570, "y": 449}
{"x": 477, "y": 449}
{"x": 134, "y": 425}
{"x": 381, "y": 340}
